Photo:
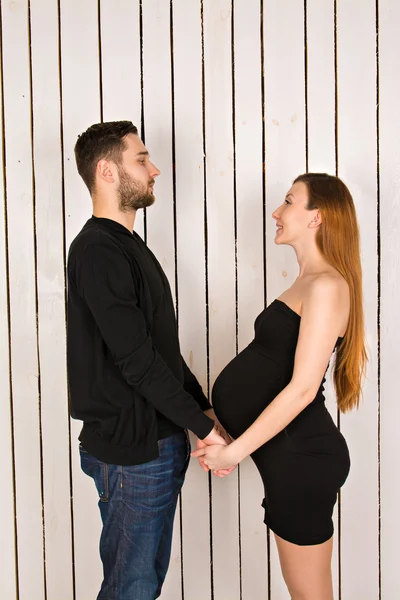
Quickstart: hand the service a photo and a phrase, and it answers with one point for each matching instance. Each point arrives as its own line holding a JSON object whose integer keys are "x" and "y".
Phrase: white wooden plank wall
{"x": 285, "y": 155}
{"x": 192, "y": 293}
{"x": 80, "y": 79}
{"x": 22, "y": 282}
{"x": 389, "y": 205}
{"x": 321, "y": 150}
{"x": 234, "y": 99}
{"x": 8, "y": 558}
{"x": 357, "y": 164}
{"x": 50, "y": 247}
{"x": 220, "y": 259}
{"x": 249, "y": 216}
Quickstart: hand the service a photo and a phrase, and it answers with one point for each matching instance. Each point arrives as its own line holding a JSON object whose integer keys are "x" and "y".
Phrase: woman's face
{"x": 293, "y": 220}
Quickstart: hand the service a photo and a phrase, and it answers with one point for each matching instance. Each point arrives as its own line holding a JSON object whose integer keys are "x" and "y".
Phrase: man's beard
{"x": 132, "y": 194}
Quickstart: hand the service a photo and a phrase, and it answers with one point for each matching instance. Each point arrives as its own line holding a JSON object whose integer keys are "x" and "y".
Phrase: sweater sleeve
{"x": 192, "y": 386}
{"x": 104, "y": 280}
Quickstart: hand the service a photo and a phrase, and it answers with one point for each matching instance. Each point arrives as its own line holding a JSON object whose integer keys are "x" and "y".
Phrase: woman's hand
{"x": 217, "y": 457}
{"x": 199, "y": 446}
{"x": 213, "y": 439}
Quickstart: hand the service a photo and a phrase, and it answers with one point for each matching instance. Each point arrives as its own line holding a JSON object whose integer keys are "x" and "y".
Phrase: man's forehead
{"x": 135, "y": 145}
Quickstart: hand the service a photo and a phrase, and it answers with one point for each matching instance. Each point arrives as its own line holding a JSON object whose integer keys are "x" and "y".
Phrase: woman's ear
{"x": 316, "y": 220}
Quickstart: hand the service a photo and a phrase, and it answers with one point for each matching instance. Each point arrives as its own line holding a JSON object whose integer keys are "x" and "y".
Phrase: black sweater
{"x": 128, "y": 382}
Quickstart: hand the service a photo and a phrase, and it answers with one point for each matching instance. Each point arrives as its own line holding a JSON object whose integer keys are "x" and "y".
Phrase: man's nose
{"x": 154, "y": 172}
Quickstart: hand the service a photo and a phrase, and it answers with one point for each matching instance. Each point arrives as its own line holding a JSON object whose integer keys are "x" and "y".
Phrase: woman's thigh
{"x": 306, "y": 569}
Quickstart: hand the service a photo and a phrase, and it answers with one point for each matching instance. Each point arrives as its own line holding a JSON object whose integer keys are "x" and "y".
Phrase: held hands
{"x": 217, "y": 457}
{"x": 216, "y": 436}
{"x": 217, "y": 439}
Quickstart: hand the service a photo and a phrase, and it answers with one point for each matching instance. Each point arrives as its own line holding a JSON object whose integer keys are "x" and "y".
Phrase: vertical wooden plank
{"x": 221, "y": 268}
{"x": 121, "y": 67}
{"x": 160, "y": 221}
{"x": 8, "y": 559}
{"x": 285, "y": 126}
{"x": 25, "y": 374}
{"x": 321, "y": 87}
{"x": 80, "y": 72}
{"x": 389, "y": 143}
{"x": 120, "y": 61}
{"x": 158, "y": 128}
{"x": 51, "y": 298}
{"x": 357, "y": 154}
{"x": 191, "y": 279}
{"x": 285, "y": 154}
{"x": 320, "y": 80}
{"x": 81, "y": 108}
{"x": 250, "y": 264}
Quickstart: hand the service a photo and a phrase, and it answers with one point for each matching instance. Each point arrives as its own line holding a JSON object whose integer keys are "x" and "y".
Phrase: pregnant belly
{"x": 245, "y": 388}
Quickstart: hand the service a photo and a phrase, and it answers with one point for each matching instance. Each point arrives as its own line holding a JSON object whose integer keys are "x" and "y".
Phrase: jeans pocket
{"x": 102, "y": 484}
{"x": 98, "y": 471}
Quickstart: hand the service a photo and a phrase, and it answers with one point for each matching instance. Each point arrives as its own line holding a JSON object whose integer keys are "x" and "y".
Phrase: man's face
{"x": 136, "y": 176}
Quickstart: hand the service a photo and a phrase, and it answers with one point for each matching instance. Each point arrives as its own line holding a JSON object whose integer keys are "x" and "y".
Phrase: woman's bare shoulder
{"x": 329, "y": 286}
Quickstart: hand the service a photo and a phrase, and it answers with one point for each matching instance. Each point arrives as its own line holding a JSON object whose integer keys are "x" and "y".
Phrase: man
{"x": 128, "y": 382}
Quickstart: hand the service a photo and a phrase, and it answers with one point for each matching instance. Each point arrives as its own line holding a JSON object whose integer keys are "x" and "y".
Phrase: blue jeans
{"x": 137, "y": 506}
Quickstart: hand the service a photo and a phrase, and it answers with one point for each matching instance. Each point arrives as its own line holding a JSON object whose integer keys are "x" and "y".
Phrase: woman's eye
{"x": 287, "y": 202}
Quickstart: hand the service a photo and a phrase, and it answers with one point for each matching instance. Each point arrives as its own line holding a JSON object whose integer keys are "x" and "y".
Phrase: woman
{"x": 270, "y": 397}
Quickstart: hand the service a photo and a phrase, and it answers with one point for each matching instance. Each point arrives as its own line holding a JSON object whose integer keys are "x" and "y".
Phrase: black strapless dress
{"x": 304, "y": 466}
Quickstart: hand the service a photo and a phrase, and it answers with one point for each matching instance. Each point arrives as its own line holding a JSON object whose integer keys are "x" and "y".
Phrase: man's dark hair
{"x": 101, "y": 141}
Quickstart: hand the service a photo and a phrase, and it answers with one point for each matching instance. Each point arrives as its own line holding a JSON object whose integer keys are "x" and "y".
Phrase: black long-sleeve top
{"x": 128, "y": 382}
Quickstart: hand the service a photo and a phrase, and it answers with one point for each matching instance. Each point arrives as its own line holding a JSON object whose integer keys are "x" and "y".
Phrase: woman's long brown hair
{"x": 338, "y": 240}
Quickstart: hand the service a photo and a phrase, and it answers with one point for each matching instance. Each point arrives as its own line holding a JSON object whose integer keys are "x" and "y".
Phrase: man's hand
{"x": 218, "y": 436}
{"x": 214, "y": 437}
{"x": 217, "y": 425}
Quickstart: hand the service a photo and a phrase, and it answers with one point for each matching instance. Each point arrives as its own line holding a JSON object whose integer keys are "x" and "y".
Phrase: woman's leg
{"x": 306, "y": 569}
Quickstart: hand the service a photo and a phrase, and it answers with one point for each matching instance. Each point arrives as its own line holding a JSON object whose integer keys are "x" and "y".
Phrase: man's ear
{"x": 105, "y": 171}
